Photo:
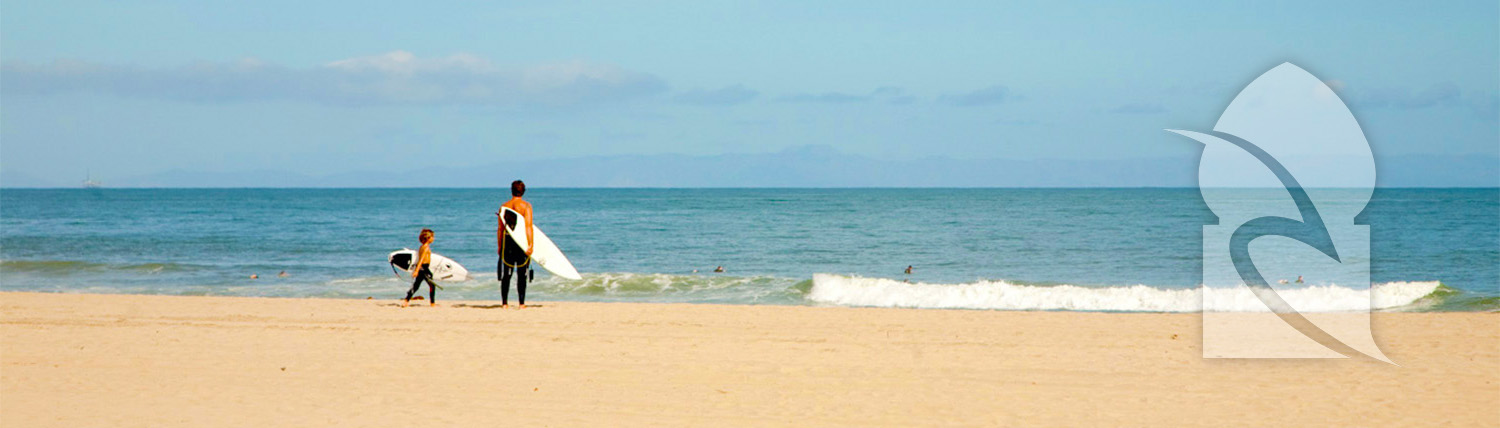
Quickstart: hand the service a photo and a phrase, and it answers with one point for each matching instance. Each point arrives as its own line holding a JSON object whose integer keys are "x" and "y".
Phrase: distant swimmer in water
{"x": 695, "y": 271}
{"x": 1299, "y": 279}
{"x": 254, "y": 276}
{"x": 282, "y": 274}
{"x": 908, "y": 269}
{"x": 719, "y": 269}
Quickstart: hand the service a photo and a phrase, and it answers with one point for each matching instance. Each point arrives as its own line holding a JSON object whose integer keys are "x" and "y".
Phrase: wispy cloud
{"x": 825, "y": 98}
{"x": 392, "y": 78}
{"x": 728, "y": 95}
{"x": 886, "y": 94}
{"x": 893, "y": 95}
{"x": 1444, "y": 94}
{"x": 980, "y": 97}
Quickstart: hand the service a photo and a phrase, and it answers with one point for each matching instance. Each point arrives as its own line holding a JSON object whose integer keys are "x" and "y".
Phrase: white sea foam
{"x": 880, "y": 292}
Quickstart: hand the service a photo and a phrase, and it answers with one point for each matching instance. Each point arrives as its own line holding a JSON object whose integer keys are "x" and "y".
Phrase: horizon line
{"x": 1496, "y": 186}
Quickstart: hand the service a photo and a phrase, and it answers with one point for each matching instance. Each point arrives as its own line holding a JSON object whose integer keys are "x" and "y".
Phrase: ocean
{"x": 1002, "y": 249}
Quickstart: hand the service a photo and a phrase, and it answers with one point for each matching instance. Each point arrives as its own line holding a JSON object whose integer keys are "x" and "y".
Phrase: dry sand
{"x": 109, "y": 360}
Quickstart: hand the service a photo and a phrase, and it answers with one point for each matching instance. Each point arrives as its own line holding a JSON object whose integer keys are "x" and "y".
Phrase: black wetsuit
{"x": 512, "y": 265}
{"x": 424, "y": 275}
{"x": 513, "y": 262}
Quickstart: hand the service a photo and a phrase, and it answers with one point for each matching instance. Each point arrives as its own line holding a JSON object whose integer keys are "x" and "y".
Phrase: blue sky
{"x": 131, "y": 88}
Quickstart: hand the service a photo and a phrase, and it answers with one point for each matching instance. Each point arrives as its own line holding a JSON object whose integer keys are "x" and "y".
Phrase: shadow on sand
{"x": 465, "y": 305}
{"x": 419, "y": 302}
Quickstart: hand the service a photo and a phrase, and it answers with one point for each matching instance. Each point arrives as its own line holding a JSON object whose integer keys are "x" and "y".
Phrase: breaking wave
{"x": 880, "y": 292}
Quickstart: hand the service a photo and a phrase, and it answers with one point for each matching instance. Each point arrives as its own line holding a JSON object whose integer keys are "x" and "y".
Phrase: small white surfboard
{"x": 546, "y": 253}
{"x": 443, "y": 268}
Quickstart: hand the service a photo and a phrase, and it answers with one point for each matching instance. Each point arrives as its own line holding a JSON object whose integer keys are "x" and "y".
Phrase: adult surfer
{"x": 514, "y": 260}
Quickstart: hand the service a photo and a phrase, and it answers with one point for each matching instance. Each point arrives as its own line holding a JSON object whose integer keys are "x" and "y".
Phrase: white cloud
{"x": 403, "y": 62}
{"x": 396, "y": 77}
{"x": 886, "y": 94}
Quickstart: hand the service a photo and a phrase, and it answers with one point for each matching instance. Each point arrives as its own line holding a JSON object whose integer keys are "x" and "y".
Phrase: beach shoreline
{"x": 151, "y": 360}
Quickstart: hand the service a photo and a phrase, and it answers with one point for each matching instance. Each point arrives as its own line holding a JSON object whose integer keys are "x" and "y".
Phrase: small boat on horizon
{"x": 90, "y": 183}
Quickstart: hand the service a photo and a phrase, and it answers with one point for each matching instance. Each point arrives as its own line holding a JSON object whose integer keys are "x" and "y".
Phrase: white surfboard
{"x": 546, "y": 253}
{"x": 443, "y": 268}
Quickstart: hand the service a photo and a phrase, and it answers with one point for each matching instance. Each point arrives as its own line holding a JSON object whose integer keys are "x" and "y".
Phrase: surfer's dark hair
{"x": 517, "y": 188}
{"x": 425, "y": 236}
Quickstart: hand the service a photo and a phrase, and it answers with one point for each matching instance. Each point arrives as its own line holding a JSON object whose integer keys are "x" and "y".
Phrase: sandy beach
{"x": 126, "y": 360}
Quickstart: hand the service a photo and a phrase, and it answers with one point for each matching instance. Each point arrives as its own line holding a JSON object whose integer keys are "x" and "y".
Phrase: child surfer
{"x": 422, "y": 270}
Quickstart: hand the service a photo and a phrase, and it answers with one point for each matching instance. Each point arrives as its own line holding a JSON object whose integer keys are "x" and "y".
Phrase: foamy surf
{"x": 659, "y": 287}
{"x": 1001, "y": 295}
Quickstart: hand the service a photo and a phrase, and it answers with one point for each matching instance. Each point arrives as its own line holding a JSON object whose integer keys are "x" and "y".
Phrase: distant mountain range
{"x": 813, "y": 166}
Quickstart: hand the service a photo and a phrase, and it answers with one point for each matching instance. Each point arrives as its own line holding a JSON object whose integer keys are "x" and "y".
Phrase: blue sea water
{"x": 1025, "y": 249}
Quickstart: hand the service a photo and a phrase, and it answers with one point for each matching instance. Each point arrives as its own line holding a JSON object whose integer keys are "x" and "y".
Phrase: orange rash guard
{"x": 524, "y": 208}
